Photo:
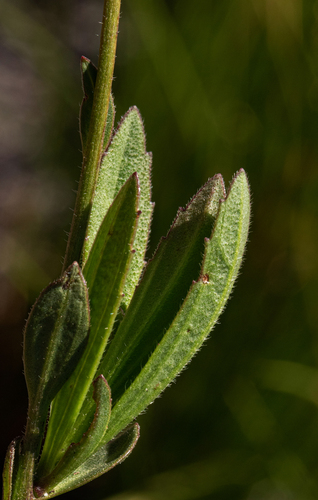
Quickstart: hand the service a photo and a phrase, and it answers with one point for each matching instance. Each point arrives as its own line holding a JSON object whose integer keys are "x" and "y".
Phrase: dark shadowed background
{"x": 221, "y": 84}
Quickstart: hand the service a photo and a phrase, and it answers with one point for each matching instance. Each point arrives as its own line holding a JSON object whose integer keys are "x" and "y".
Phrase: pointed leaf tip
{"x": 164, "y": 284}
{"x": 125, "y": 155}
{"x": 198, "y": 313}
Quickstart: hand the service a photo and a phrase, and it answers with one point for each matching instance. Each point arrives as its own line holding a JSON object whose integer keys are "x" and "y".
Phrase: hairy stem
{"x": 94, "y": 150}
{"x": 30, "y": 447}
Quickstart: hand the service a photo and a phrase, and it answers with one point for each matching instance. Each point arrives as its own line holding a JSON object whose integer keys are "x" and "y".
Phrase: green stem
{"x": 96, "y": 132}
{"x": 30, "y": 447}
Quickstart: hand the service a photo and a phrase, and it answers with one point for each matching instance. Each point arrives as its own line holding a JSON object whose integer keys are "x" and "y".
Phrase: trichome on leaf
{"x": 103, "y": 341}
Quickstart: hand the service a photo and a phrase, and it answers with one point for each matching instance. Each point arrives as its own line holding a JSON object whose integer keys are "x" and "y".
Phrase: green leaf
{"x": 199, "y": 312}
{"x": 126, "y": 154}
{"x": 105, "y": 458}
{"x": 105, "y": 273}
{"x": 55, "y": 337}
{"x": 164, "y": 285}
{"x": 9, "y": 464}
{"x": 89, "y": 75}
{"x": 78, "y": 453}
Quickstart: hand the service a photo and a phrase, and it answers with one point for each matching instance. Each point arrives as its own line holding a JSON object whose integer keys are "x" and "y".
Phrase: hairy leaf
{"x": 105, "y": 273}
{"x": 9, "y": 464}
{"x": 78, "y": 453}
{"x": 55, "y": 337}
{"x": 164, "y": 285}
{"x": 104, "y": 459}
{"x": 200, "y": 310}
{"x": 126, "y": 154}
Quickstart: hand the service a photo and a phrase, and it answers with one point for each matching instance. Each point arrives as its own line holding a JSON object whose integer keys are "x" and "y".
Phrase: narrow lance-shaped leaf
{"x": 55, "y": 337}
{"x": 78, "y": 453}
{"x": 89, "y": 74}
{"x": 165, "y": 283}
{"x": 126, "y": 154}
{"x": 105, "y": 458}
{"x": 105, "y": 273}
{"x": 199, "y": 312}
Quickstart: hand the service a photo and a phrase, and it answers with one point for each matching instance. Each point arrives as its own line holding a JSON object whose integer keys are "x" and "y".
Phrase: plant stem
{"x": 30, "y": 447}
{"x": 94, "y": 150}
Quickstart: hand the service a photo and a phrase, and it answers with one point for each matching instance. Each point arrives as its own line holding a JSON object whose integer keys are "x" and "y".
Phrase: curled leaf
{"x": 78, "y": 453}
{"x": 105, "y": 458}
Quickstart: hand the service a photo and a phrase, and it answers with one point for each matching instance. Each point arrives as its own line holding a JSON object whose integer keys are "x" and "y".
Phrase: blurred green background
{"x": 221, "y": 84}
